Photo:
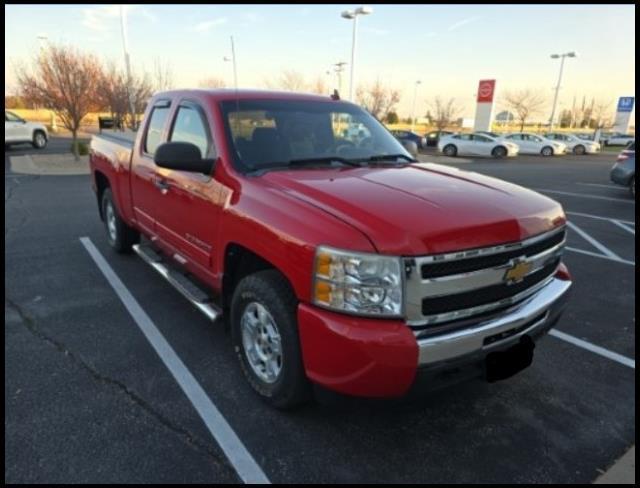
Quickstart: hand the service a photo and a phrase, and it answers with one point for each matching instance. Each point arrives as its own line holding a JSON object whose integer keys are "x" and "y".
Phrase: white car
{"x": 618, "y": 139}
{"x": 476, "y": 145}
{"x": 575, "y": 144}
{"x": 534, "y": 144}
{"x": 17, "y": 131}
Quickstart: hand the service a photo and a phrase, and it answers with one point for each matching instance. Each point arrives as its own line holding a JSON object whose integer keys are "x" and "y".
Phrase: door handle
{"x": 161, "y": 185}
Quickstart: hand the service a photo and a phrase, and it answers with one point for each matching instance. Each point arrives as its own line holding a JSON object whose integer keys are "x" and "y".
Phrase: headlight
{"x": 358, "y": 283}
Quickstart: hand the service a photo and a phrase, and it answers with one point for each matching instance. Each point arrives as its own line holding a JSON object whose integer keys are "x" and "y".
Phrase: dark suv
{"x": 624, "y": 170}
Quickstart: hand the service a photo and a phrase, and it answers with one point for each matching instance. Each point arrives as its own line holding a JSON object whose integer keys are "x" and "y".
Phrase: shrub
{"x": 83, "y": 148}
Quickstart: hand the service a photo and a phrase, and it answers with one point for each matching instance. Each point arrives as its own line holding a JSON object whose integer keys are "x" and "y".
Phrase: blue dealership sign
{"x": 625, "y": 104}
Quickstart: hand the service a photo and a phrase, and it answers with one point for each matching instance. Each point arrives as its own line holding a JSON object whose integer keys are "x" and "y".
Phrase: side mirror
{"x": 411, "y": 147}
{"x": 182, "y": 156}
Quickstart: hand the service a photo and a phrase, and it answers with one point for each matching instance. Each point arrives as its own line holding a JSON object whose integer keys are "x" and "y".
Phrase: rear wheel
{"x": 39, "y": 140}
{"x": 450, "y": 150}
{"x": 499, "y": 152}
{"x": 265, "y": 338}
{"x": 120, "y": 236}
{"x": 547, "y": 151}
{"x": 579, "y": 150}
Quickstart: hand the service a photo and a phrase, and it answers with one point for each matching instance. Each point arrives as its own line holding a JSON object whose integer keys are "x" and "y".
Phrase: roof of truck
{"x": 244, "y": 94}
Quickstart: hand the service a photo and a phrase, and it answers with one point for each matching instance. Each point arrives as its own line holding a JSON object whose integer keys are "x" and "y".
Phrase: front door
{"x": 188, "y": 220}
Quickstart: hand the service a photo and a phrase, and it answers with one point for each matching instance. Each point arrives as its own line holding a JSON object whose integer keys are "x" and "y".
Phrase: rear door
{"x": 146, "y": 195}
{"x": 188, "y": 219}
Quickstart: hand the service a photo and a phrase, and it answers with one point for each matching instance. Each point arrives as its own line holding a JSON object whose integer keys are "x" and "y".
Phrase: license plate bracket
{"x": 501, "y": 365}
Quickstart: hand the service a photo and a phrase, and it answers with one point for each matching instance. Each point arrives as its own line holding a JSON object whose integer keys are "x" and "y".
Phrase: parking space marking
{"x": 602, "y": 256}
{"x": 614, "y": 356}
{"x": 619, "y": 187}
{"x": 595, "y": 243}
{"x": 598, "y": 217}
{"x": 623, "y": 226}
{"x": 233, "y": 448}
{"x": 583, "y": 195}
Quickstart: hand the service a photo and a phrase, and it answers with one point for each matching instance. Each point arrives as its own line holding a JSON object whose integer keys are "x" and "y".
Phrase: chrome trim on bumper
{"x": 548, "y": 301}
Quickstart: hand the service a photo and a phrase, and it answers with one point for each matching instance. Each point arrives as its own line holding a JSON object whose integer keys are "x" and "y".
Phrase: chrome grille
{"x": 448, "y": 287}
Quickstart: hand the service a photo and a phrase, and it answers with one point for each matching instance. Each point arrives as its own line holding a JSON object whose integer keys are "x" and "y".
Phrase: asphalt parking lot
{"x": 87, "y": 399}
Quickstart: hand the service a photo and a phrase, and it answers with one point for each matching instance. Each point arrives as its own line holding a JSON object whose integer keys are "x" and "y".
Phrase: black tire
{"x": 579, "y": 150}
{"x": 499, "y": 152}
{"x": 547, "y": 151}
{"x": 450, "y": 150}
{"x": 39, "y": 140}
{"x": 121, "y": 237}
{"x": 271, "y": 290}
{"x": 632, "y": 186}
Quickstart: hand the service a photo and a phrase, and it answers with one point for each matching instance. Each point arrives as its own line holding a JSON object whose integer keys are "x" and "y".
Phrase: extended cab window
{"x": 10, "y": 117}
{"x": 154, "y": 131}
{"x": 190, "y": 127}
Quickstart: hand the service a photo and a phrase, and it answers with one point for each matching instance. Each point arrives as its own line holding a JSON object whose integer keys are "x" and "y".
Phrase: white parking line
{"x": 623, "y": 226}
{"x": 598, "y": 245}
{"x": 582, "y": 195}
{"x": 614, "y": 356}
{"x": 598, "y": 217}
{"x": 602, "y": 256}
{"x": 614, "y": 187}
{"x": 233, "y": 448}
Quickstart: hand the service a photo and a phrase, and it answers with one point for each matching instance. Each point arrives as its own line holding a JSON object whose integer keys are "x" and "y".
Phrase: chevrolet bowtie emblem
{"x": 518, "y": 270}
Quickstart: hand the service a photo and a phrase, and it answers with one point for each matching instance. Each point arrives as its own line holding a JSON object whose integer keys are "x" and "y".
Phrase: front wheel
{"x": 547, "y": 151}
{"x": 39, "y": 140}
{"x": 265, "y": 338}
{"x": 450, "y": 150}
{"x": 499, "y": 152}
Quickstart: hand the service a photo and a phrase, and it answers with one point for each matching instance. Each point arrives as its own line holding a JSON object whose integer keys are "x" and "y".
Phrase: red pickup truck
{"x": 336, "y": 257}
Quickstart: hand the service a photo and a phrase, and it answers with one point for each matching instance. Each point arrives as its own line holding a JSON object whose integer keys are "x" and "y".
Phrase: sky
{"x": 447, "y": 47}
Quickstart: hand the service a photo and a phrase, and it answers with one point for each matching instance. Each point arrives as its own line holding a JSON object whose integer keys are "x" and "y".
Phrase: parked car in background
{"x": 434, "y": 136}
{"x": 534, "y": 144}
{"x": 623, "y": 171}
{"x": 19, "y": 131}
{"x": 574, "y": 143}
{"x": 476, "y": 145}
{"x": 407, "y": 135}
{"x": 490, "y": 134}
{"x": 618, "y": 139}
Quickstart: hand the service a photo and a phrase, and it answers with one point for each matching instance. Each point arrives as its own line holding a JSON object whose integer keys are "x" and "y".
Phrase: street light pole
{"x": 413, "y": 107}
{"x": 555, "y": 97}
{"x": 235, "y": 71}
{"x": 353, "y": 15}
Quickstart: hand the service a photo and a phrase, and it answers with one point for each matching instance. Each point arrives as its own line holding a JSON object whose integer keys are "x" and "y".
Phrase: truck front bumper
{"x": 382, "y": 358}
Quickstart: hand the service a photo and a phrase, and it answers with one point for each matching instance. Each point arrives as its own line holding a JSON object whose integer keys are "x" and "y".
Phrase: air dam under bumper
{"x": 380, "y": 358}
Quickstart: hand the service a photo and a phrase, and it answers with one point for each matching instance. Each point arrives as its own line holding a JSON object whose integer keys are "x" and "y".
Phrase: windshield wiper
{"x": 390, "y": 157}
{"x": 327, "y": 159}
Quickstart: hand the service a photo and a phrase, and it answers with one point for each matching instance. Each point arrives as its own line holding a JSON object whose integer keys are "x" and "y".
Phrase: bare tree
{"x": 377, "y": 99}
{"x": 292, "y": 81}
{"x": 445, "y": 112}
{"x": 162, "y": 75}
{"x": 112, "y": 94}
{"x": 601, "y": 114}
{"x": 64, "y": 81}
{"x": 320, "y": 86}
{"x": 140, "y": 90}
{"x": 212, "y": 82}
{"x": 525, "y": 103}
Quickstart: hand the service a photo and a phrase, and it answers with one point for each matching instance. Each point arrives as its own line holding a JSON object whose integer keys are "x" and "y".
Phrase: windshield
{"x": 275, "y": 133}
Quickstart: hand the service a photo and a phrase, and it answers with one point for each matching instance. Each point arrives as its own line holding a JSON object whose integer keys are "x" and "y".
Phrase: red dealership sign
{"x": 486, "y": 89}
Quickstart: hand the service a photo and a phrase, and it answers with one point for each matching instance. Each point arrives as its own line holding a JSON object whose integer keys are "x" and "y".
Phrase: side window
{"x": 189, "y": 126}
{"x": 514, "y": 137}
{"x": 10, "y": 117}
{"x": 154, "y": 131}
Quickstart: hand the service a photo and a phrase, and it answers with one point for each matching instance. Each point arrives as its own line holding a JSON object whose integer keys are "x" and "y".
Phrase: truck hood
{"x": 423, "y": 208}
